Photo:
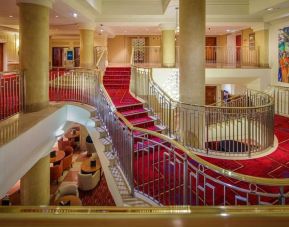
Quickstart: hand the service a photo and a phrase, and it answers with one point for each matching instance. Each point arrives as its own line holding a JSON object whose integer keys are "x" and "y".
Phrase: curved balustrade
{"x": 159, "y": 167}
{"x": 239, "y": 127}
{"x": 281, "y": 98}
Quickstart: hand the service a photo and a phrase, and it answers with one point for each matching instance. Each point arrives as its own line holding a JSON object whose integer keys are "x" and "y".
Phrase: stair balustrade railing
{"x": 167, "y": 173}
{"x": 159, "y": 167}
{"x": 240, "y": 127}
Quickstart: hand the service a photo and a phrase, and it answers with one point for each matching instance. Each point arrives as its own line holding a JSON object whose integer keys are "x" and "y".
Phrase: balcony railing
{"x": 11, "y": 94}
{"x": 239, "y": 127}
{"x": 216, "y": 56}
{"x": 157, "y": 166}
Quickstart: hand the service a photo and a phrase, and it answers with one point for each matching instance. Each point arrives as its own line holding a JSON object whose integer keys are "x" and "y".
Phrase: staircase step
{"x": 102, "y": 132}
{"x": 97, "y": 121}
{"x": 127, "y": 113}
{"x": 121, "y": 69}
{"x": 143, "y": 120}
{"x": 117, "y": 73}
{"x": 155, "y": 128}
{"x": 107, "y": 144}
{"x": 130, "y": 107}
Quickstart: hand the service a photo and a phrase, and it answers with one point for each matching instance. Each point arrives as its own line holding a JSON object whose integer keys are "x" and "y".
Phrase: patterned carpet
{"x": 274, "y": 165}
{"x": 100, "y": 196}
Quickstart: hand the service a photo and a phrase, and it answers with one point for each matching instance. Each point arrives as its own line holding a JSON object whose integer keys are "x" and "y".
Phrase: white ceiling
{"x": 140, "y": 17}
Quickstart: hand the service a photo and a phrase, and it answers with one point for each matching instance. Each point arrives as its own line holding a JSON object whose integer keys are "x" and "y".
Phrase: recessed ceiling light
{"x": 56, "y": 16}
{"x": 270, "y": 9}
{"x": 228, "y": 30}
{"x": 10, "y": 16}
{"x": 75, "y": 15}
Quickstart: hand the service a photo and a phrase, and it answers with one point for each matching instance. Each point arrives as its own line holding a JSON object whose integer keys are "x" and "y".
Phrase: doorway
{"x": 238, "y": 48}
{"x": 76, "y": 57}
{"x": 211, "y": 43}
{"x": 211, "y": 95}
{"x": 1, "y": 57}
{"x": 57, "y": 57}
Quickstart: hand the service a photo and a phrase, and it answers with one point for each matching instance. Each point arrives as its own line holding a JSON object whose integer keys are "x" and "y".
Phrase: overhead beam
{"x": 257, "y": 6}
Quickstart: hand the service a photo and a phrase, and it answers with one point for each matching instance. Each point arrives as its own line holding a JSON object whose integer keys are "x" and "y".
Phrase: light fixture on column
{"x": 177, "y": 20}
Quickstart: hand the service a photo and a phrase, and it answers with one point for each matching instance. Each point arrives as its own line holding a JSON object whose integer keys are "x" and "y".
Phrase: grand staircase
{"x": 116, "y": 82}
{"x": 159, "y": 168}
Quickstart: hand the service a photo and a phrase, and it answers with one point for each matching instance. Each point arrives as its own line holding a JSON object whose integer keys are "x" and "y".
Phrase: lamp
{"x": 177, "y": 20}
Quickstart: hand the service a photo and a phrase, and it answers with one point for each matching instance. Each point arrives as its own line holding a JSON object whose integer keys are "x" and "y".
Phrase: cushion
{"x": 67, "y": 189}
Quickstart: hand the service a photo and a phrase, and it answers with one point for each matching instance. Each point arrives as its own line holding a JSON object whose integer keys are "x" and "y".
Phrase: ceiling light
{"x": 270, "y": 9}
{"x": 75, "y": 15}
{"x": 10, "y": 16}
{"x": 228, "y": 30}
{"x": 56, "y": 16}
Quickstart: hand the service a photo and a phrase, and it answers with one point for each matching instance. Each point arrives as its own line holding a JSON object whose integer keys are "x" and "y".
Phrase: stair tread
{"x": 134, "y": 111}
{"x": 142, "y": 120}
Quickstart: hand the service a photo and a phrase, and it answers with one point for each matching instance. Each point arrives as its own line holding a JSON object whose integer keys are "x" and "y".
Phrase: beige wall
{"x": 222, "y": 40}
{"x": 119, "y": 47}
{"x": 262, "y": 42}
{"x": 11, "y": 48}
{"x": 245, "y": 36}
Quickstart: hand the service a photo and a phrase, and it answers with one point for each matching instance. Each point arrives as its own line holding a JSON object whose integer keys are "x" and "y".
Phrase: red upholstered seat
{"x": 62, "y": 144}
{"x": 56, "y": 172}
{"x": 67, "y": 161}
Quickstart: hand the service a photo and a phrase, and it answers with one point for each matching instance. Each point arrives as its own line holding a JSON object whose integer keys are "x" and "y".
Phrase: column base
{"x": 35, "y": 107}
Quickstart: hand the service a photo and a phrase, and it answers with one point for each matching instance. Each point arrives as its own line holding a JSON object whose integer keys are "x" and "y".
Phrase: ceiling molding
{"x": 46, "y": 3}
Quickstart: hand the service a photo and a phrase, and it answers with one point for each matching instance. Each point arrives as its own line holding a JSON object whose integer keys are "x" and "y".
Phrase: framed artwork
{"x": 283, "y": 55}
{"x": 69, "y": 55}
{"x": 252, "y": 41}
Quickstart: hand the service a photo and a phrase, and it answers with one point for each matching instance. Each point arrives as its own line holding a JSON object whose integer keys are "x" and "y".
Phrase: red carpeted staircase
{"x": 116, "y": 81}
{"x": 158, "y": 176}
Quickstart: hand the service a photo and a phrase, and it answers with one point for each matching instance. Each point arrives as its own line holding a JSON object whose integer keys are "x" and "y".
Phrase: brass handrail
{"x": 217, "y": 169}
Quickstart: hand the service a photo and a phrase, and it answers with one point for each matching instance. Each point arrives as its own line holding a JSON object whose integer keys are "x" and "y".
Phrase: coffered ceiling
{"x": 138, "y": 17}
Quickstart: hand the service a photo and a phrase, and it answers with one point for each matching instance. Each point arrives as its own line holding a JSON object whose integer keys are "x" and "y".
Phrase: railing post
{"x": 185, "y": 180}
{"x": 170, "y": 117}
{"x": 132, "y": 162}
{"x": 282, "y": 197}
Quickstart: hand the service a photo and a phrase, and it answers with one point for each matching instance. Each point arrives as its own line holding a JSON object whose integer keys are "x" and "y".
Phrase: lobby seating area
{"x": 81, "y": 173}
{"x": 69, "y": 185}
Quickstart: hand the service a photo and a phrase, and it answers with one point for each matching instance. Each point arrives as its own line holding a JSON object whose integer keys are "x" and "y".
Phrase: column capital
{"x": 87, "y": 26}
{"x": 46, "y": 3}
{"x": 167, "y": 26}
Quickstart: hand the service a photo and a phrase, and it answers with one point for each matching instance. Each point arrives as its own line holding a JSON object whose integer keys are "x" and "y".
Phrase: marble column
{"x": 192, "y": 51}
{"x": 34, "y": 52}
{"x": 87, "y": 46}
{"x": 192, "y": 21}
{"x": 34, "y": 61}
{"x": 35, "y": 184}
{"x": 168, "y": 46}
